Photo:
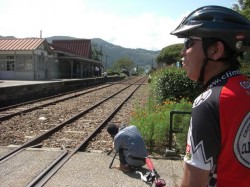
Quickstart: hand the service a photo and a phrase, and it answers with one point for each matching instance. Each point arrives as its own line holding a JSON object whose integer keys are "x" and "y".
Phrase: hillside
{"x": 111, "y": 53}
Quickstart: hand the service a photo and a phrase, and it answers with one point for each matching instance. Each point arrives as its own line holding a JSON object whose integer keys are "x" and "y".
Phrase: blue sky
{"x": 129, "y": 23}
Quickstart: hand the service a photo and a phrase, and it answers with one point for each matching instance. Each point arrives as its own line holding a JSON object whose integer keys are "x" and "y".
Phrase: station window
{"x": 24, "y": 62}
{"x": 2, "y": 65}
{"x": 10, "y": 65}
{"x": 7, "y": 62}
{"x": 2, "y": 57}
{"x": 28, "y": 63}
{"x": 21, "y": 66}
{"x": 20, "y": 63}
{"x": 41, "y": 63}
{"x": 10, "y": 57}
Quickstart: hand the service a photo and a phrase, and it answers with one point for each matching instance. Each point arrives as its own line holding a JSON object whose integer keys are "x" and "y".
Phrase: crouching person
{"x": 130, "y": 145}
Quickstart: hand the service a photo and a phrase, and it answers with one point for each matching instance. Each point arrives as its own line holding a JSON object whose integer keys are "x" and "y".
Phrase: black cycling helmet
{"x": 217, "y": 22}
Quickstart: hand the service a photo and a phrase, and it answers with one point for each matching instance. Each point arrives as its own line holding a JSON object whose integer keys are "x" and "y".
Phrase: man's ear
{"x": 216, "y": 51}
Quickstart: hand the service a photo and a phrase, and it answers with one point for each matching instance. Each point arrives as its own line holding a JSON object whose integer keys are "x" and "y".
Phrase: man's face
{"x": 193, "y": 57}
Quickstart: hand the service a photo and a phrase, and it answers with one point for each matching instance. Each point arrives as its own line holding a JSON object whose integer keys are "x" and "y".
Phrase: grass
{"x": 153, "y": 122}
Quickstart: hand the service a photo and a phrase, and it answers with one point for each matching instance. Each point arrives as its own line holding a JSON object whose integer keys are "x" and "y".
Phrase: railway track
{"x": 21, "y": 108}
{"x": 75, "y": 130}
{"x": 18, "y": 127}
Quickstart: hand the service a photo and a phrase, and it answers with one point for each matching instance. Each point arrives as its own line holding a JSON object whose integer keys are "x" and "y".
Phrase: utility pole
{"x": 101, "y": 53}
{"x": 106, "y": 62}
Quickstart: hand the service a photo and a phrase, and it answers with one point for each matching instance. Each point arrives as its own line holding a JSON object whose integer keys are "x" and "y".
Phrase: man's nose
{"x": 183, "y": 52}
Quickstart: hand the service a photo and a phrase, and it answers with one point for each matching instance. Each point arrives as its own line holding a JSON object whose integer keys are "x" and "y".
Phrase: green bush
{"x": 170, "y": 89}
{"x": 173, "y": 84}
{"x": 181, "y": 122}
{"x": 245, "y": 69}
{"x": 111, "y": 73}
{"x": 153, "y": 123}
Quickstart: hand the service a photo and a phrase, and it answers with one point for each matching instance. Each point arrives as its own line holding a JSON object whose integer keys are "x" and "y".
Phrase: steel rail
{"x": 8, "y": 116}
{"x": 48, "y": 133}
{"x": 57, "y": 95}
{"x": 54, "y": 168}
{"x": 46, "y": 98}
{"x": 44, "y": 172}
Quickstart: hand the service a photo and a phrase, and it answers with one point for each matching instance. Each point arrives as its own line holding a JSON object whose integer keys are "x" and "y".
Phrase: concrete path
{"x": 83, "y": 169}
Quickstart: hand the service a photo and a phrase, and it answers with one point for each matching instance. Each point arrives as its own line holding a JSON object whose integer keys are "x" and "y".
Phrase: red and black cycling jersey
{"x": 219, "y": 132}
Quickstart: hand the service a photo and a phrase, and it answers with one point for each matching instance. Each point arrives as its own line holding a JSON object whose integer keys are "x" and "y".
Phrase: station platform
{"x": 16, "y": 91}
{"x": 84, "y": 169}
{"x": 11, "y": 83}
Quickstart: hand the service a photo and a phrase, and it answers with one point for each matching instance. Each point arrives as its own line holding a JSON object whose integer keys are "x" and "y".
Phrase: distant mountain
{"x": 49, "y": 39}
{"x": 111, "y": 53}
{"x": 7, "y": 37}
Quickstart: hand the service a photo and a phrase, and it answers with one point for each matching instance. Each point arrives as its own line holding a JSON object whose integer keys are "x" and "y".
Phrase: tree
{"x": 123, "y": 63}
{"x": 96, "y": 54}
{"x": 170, "y": 54}
{"x": 141, "y": 71}
{"x": 243, "y": 7}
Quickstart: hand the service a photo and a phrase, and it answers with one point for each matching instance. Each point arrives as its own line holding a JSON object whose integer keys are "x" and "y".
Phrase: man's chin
{"x": 185, "y": 68}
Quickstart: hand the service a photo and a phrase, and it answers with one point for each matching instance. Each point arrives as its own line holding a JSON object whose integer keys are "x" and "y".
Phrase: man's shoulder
{"x": 207, "y": 103}
{"x": 127, "y": 129}
{"x": 131, "y": 127}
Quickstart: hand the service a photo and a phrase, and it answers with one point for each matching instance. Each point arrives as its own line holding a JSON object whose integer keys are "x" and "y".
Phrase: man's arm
{"x": 194, "y": 177}
{"x": 117, "y": 142}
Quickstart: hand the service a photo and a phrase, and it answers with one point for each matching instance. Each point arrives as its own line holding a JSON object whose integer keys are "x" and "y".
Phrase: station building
{"x": 36, "y": 59}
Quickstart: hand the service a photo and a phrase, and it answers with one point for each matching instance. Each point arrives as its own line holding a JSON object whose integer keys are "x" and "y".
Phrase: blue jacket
{"x": 130, "y": 139}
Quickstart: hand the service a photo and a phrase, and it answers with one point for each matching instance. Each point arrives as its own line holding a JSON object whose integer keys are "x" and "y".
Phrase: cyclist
{"x": 218, "y": 143}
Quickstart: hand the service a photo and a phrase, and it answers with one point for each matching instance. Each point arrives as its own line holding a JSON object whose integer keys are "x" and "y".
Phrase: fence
{"x": 172, "y": 130}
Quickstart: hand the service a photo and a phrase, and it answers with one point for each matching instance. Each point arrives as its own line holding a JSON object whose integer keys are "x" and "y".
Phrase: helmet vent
{"x": 232, "y": 20}
{"x": 205, "y": 17}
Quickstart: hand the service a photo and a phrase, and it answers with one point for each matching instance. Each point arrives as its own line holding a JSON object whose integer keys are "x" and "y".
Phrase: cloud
{"x": 60, "y": 18}
{"x": 146, "y": 31}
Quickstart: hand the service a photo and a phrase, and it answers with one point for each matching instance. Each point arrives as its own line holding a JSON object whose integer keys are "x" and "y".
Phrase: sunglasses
{"x": 188, "y": 42}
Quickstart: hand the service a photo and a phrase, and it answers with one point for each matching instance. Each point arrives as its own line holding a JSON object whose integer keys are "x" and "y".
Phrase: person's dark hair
{"x": 112, "y": 129}
{"x": 231, "y": 58}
